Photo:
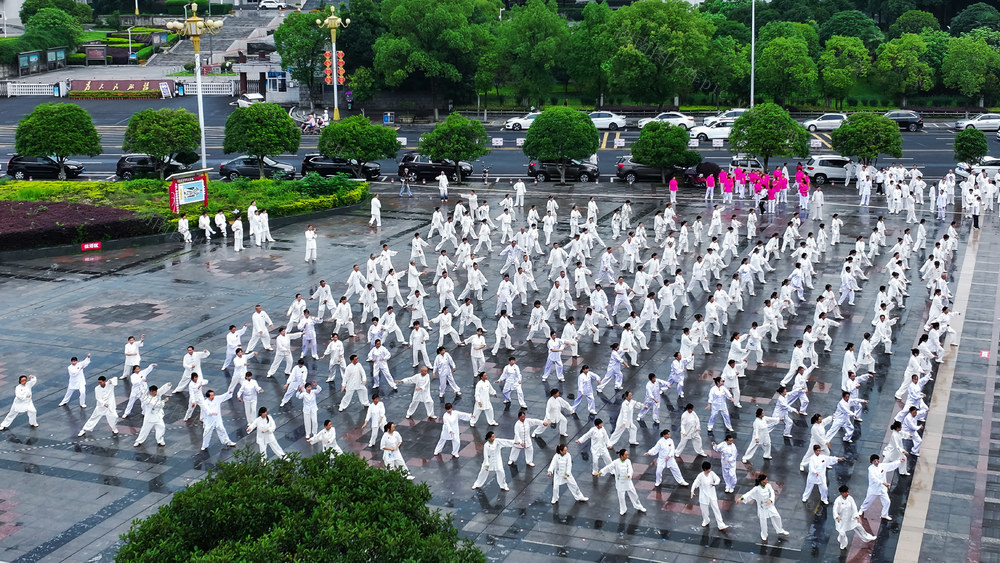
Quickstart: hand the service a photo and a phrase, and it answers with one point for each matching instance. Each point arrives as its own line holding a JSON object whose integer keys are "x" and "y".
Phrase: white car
{"x": 518, "y": 123}
{"x": 825, "y": 122}
{"x": 747, "y": 163}
{"x": 271, "y": 5}
{"x": 990, "y": 164}
{"x": 718, "y": 130}
{"x": 607, "y": 120}
{"x": 247, "y": 100}
{"x": 982, "y": 121}
{"x": 671, "y": 117}
{"x": 825, "y": 167}
{"x": 730, "y": 115}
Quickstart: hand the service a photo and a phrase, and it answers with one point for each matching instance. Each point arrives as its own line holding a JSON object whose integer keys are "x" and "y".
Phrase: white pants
{"x": 309, "y": 418}
{"x": 69, "y": 393}
{"x": 619, "y": 430}
{"x": 263, "y": 336}
{"x": 870, "y": 498}
{"x": 574, "y": 489}
{"x": 428, "y": 406}
{"x": 674, "y": 470}
{"x": 484, "y": 473}
{"x": 271, "y": 442}
{"x": 712, "y": 504}
{"x": 529, "y": 454}
{"x": 487, "y": 408}
{"x": 627, "y": 489}
{"x": 349, "y": 394}
{"x": 455, "y": 443}
{"x": 844, "y": 527}
{"x": 695, "y": 439}
{"x": 147, "y": 426}
{"x": 110, "y": 415}
{"x": 13, "y": 414}
{"x": 220, "y": 431}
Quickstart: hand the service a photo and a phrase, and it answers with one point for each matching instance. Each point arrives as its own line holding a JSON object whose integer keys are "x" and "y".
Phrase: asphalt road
{"x": 930, "y": 149}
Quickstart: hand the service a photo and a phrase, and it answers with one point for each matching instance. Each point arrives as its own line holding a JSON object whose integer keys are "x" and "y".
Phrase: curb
{"x": 161, "y": 238}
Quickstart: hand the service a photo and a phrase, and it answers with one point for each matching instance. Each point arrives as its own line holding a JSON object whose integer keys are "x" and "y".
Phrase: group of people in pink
{"x": 771, "y": 186}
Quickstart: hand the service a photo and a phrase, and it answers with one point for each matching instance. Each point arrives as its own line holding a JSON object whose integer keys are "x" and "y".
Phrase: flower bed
{"x": 143, "y": 206}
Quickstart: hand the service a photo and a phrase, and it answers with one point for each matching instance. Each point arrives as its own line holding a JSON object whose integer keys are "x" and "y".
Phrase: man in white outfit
{"x": 106, "y": 407}
{"x": 482, "y": 401}
{"x": 690, "y": 431}
{"x": 421, "y": 383}
{"x": 77, "y": 381}
{"x": 354, "y": 383}
{"x": 848, "y": 518}
{"x": 234, "y": 340}
{"x": 152, "y": 406}
{"x": 261, "y": 325}
{"x": 522, "y": 439}
{"x": 600, "y": 443}
{"x": 192, "y": 364}
{"x": 878, "y": 483}
{"x": 450, "y": 430}
{"x": 212, "y": 409}
{"x": 818, "y": 465}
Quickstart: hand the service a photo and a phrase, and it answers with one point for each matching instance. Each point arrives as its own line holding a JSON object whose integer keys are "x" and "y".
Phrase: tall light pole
{"x": 137, "y": 7}
{"x": 194, "y": 27}
{"x": 753, "y": 44}
{"x": 332, "y": 22}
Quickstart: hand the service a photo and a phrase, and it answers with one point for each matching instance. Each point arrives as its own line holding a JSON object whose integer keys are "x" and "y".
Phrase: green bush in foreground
{"x": 279, "y": 197}
{"x": 298, "y": 509}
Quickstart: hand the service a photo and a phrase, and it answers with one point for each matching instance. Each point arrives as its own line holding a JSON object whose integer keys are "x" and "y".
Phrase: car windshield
{"x": 271, "y": 162}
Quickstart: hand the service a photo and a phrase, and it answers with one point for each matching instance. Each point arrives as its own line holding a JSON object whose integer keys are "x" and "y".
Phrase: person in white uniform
{"x": 621, "y": 468}
{"x": 483, "y": 405}
{"x": 392, "y": 456}
{"x": 763, "y": 495}
{"x": 249, "y": 391}
{"x": 522, "y": 439}
{"x": 600, "y": 443}
{"x": 665, "y": 453}
{"x": 848, "y": 518}
{"x": 561, "y": 471}
{"x": 705, "y": 484}
{"x": 264, "y": 425}
{"x": 212, "y": 409}
{"x": 878, "y": 483}
{"x": 192, "y": 364}
{"x": 354, "y": 383}
{"x": 77, "y": 381}
{"x": 152, "y": 408}
{"x": 818, "y": 465}
{"x": 492, "y": 461}
{"x": 327, "y": 437}
{"x": 261, "y": 326}
{"x": 307, "y": 394}
{"x": 450, "y": 430}
{"x": 106, "y": 407}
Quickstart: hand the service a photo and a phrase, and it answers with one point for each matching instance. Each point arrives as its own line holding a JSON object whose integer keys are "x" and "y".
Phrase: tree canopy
{"x": 261, "y": 130}
{"x": 851, "y": 23}
{"x": 912, "y": 21}
{"x": 971, "y": 146}
{"x": 867, "y": 135}
{"x": 456, "y": 138}
{"x": 162, "y": 134}
{"x": 767, "y": 130}
{"x": 356, "y": 138}
{"x": 531, "y": 45}
{"x": 785, "y": 69}
{"x": 300, "y": 44}
{"x": 977, "y": 15}
{"x": 970, "y": 66}
{"x": 844, "y": 61}
{"x": 664, "y": 146}
{"x": 317, "y": 508}
{"x": 57, "y": 24}
{"x": 899, "y": 67}
{"x": 561, "y": 134}
{"x": 57, "y": 130}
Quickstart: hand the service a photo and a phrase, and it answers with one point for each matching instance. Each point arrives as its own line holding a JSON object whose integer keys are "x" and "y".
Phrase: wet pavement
{"x": 69, "y": 498}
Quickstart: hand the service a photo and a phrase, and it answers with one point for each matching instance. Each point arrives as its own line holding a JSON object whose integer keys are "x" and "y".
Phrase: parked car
{"x": 630, "y": 171}
{"x": 418, "y": 166}
{"x": 908, "y": 120}
{"x": 523, "y": 122}
{"x": 747, "y": 163}
{"x": 990, "y": 163}
{"x": 671, "y": 117}
{"x": 144, "y": 166}
{"x": 25, "y": 167}
{"x": 271, "y": 5}
{"x": 728, "y": 115}
{"x": 825, "y": 122}
{"x": 718, "y": 130}
{"x": 248, "y": 166}
{"x": 822, "y": 168}
{"x": 247, "y": 100}
{"x": 325, "y": 166}
{"x": 982, "y": 121}
{"x": 575, "y": 170}
{"x": 607, "y": 120}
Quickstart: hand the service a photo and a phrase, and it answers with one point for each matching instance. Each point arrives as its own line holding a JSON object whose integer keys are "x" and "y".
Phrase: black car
{"x": 248, "y": 166}
{"x": 144, "y": 166}
{"x": 325, "y": 166}
{"x": 908, "y": 120}
{"x": 25, "y": 167}
{"x": 418, "y": 166}
{"x": 632, "y": 171}
{"x": 575, "y": 170}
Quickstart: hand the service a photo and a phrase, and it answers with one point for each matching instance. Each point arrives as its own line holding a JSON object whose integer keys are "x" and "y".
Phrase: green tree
{"x": 867, "y": 135}
{"x": 162, "y": 134}
{"x": 300, "y": 44}
{"x": 976, "y": 15}
{"x": 261, "y": 130}
{"x": 456, "y": 138}
{"x": 726, "y": 67}
{"x": 360, "y": 140}
{"x": 912, "y": 21}
{"x": 971, "y": 146}
{"x": 317, "y": 508}
{"x": 652, "y": 60}
{"x": 844, "y": 61}
{"x": 362, "y": 84}
{"x": 892, "y": 9}
{"x": 530, "y": 44}
{"x": 588, "y": 48}
{"x": 357, "y": 40}
{"x": 970, "y": 67}
{"x": 433, "y": 42}
{"x": 777, "y": 29}
{"x": 937, "y": 42}
{"x": 57, "y": 130}
{"x": 664, "y": 146}
{"x": 81, "y": 12}
{"x": 767, "y": 130}
{"x": 56, "y": 24}
{"x": 851, "y": 23}
{"x": 899, "y": 67}
{"x": 784, "y": 69}
{"x": 561, "y": 134}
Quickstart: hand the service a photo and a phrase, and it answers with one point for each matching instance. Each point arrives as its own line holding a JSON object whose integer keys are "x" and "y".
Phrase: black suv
{"x": 247, "y": 166}
{"x": 24, "y": 167}
{"x": 418, "y": 166}
{"x": 575, "y": 170}
{"x": 144, "y": 166}
{"x": 632, "y": 171}
{"x": 908, "y": 120}
{"x": 325, "y": 166}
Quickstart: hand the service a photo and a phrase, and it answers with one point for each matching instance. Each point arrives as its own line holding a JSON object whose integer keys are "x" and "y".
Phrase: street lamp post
{"x": 753, "y": 44}
{"x": 137, "y": 7}
{"x": 332, "y": 22}
{"x": 194, "y": 27}
{"x": 129, "y": 30}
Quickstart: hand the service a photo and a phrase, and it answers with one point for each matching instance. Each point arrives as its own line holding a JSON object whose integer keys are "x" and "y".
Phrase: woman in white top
{"x": 391, "y": 456}
{"x": 264, "y": 425}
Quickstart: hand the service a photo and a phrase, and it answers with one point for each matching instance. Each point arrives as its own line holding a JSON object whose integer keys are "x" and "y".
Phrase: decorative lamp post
{"x": 332, "y": 22}
{"x": 194, "y": 27}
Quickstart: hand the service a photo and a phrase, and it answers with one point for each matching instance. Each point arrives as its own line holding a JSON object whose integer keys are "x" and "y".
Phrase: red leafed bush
{"x": 32, "y": 224}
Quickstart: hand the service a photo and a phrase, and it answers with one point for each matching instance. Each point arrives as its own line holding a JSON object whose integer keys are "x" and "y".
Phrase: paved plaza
{"x": 64, "y": 498}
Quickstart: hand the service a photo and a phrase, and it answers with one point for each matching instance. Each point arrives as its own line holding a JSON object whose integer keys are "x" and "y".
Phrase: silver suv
{"x": 825, "y": 167}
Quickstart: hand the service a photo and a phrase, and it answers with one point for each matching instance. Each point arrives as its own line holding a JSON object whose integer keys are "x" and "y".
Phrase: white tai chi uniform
{"x": 212, "y": 409}
{"x": 665, "y": 452}
{"x": 260, "y": 322}
{"x": 600, "y": 443}
{"x": 421, "y": 383}
{"x": 22, "y": 404}
{"x": 392, "y": 457}
{"x": 622, "y": 470}
{"x": 878, "y": 484}
{"x": 248, "y": 393}
{"x": 705, "y": 483}
{"x": 561, "y": 470}
{"x": 626, "y": 422}
{"x": 817, "y": 476}
{"x": 484, "y": 390}
{"x": 764, "y": 496}
{"x": 309, "y": 409}
{"x": 153, "y": 416}
{"x": 192, "y": 364}
{"x": 845, "y": 510}
{"x": 450, "y": 431}
{"x": 492, "y": 461}
{"x": 106, "y": 407}
{"x": 77, "y": 382}
{"x": 328, "y": 438}
{"x": 264, "y": 425}
{"x": 354, "y": 383}
{"x": 375, "y": 418}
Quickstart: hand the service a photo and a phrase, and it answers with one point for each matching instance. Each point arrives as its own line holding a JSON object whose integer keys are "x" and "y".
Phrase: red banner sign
{"x": 118, "y": 85}
{"x": 90, "y": 246}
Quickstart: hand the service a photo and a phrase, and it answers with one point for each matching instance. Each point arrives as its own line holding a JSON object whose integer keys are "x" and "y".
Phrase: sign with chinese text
{"x": 118, "y": 85}
{"x": 184, "y": 192}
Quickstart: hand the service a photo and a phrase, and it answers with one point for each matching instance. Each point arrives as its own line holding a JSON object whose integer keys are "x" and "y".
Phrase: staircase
{"x": 236, "y": 30}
